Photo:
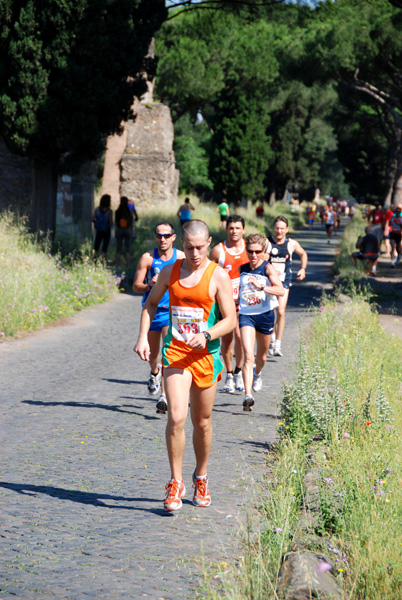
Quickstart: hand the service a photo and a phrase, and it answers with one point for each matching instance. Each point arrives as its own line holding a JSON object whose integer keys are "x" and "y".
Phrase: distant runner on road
{"x": 198, "y": 291}
{"x": 149, "y": 267}
{"x": 230, "y": 255}
{"x": 281, "y": 249}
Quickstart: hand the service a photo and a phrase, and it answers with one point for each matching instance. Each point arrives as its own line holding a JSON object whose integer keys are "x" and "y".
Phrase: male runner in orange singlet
{"x": 231, "y": 255}
{"x": 199, "y": 290}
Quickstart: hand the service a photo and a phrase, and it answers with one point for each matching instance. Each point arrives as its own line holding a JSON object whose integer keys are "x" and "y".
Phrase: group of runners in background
{"x": 193, "y": 301}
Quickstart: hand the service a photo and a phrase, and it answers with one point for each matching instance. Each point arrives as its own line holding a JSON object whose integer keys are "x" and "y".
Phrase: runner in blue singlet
{"x": 149, "y": 267}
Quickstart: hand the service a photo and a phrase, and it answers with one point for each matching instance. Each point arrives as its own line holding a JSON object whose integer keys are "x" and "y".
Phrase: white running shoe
{"x": 278, "y": 350}
{"x": 257, "y": 383}
{"x": 229, "y": 384}
{"x": 154, "y": 383}
{"x": 238, "y": 382}
{"x": 271, "y": 348}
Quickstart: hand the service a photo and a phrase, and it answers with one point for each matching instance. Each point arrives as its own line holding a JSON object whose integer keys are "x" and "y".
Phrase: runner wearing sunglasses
{"x": 260, "y": 286}
{"x": 148, "y": 269}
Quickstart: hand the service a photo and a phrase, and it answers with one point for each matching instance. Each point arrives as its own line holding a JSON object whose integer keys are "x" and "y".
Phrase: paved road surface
{"x": 83, "y": 461}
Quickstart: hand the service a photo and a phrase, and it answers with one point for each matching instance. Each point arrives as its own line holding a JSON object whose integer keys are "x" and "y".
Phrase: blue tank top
{"x": 185, "y": 215}
{"x": 157, "y": 266}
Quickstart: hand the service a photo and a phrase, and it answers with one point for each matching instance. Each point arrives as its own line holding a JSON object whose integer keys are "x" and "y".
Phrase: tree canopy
{"x": 313, "y": 76}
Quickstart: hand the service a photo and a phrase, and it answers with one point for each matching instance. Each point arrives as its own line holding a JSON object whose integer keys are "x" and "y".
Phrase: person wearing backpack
{"x": 102, "y": 219}
{"x": 124, "y": 230}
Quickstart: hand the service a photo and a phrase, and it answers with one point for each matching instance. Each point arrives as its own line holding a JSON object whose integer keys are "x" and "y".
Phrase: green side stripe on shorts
{"x": 218, "y": 365}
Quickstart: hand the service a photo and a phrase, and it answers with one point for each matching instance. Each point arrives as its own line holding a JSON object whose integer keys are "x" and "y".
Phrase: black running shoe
{"x": 248, "y": 402}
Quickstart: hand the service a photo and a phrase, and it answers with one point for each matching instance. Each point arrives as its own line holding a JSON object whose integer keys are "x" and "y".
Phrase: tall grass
{"x": 38, "y": 288}
{"x": 345, "y": 405}
{"x": 207, "y": 212}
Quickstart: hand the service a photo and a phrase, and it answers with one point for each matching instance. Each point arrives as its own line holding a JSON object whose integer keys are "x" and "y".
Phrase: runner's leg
{"x": 248, "y": 340}
{"x": 280, "y": 315}
{"x": 201, "y": 405}
{"x": 227, "y": 351}
{"x": 263, "y": 341}
{"x": 238, "y": 345}
{"x": 177, "y": 385}
{"x": 154, "y": 340}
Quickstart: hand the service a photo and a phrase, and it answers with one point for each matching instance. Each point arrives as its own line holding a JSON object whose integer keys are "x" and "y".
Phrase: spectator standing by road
{"x": 103, "y": 220}
{"x": 124, "y": 221}
{"x": 184, "y": 212}
{"x": 369, "y": 248}
{"x": 259, "y": 211}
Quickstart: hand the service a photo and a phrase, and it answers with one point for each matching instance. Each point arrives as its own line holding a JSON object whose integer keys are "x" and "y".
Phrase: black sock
{"x": 230, "y": 372}
{"x": 237, "y": 370}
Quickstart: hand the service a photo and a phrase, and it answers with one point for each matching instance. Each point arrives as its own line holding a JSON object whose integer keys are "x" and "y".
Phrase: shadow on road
{"x": 82, "y": 497}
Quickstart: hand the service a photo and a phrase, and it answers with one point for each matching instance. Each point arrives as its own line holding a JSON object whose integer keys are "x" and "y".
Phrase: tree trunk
{"x": 394, "y": 170}
{"x": 44, "y": 198}
{"x": 272, "y": 198}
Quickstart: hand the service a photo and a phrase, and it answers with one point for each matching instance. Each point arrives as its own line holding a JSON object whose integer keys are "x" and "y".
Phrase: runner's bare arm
{"x": 295, "y": 247}
{"x": 214, "y": 254}
{"x": 148, "y": 312}
{"x": 221, "y": 289}
{"x": 276, "y": 288}
{"x": 144, "y": 264}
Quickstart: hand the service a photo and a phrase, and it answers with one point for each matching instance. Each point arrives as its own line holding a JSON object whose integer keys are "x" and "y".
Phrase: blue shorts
{"x": 263, "y": 323}
{"x": 161, "y": 319}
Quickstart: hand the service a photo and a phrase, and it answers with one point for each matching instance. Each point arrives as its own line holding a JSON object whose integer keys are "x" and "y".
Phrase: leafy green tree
{"x": 241, "y": 147}
{"x": 69, "y": 70}
{"x": 360, "y": 46}
{"x": 192, "y": 140}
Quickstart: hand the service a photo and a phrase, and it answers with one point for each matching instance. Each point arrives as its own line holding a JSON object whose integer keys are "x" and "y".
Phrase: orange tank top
{"x": 232, "y": 263}
{"x": 192, "y": 310}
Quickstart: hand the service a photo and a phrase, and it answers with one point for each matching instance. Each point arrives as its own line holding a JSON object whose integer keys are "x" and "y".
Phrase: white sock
{"x": 202, "y": 477}
{"x": 278, "y": 344}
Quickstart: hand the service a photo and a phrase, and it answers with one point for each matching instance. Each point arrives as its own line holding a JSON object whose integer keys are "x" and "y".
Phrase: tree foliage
{"x": 69, "y": 70}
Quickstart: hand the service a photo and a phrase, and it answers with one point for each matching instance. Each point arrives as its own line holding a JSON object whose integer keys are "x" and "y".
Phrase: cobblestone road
{"x": 84, "y": 466}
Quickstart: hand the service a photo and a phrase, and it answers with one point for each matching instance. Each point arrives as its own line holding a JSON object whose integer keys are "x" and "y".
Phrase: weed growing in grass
{"x": 38, "y": 288}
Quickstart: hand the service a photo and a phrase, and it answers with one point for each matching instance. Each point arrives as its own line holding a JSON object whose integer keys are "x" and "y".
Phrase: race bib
{"x": 187, "y": 321}
{"x": 280, "y": 269}
{"x": 235, "y": 287}
{"x": 253, "y": 298}
{"x": 250, "y": 294}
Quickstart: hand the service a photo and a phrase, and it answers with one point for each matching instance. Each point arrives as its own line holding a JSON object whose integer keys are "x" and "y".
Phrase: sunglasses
{"x": 166, "y": 236}
{"x": 254, "y": 251}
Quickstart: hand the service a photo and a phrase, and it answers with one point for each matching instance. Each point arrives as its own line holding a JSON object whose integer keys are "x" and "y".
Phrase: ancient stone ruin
{"x": 140, "y": 164}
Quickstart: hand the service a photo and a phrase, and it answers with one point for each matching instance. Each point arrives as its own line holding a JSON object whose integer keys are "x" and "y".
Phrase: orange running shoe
{"x": 175, "y": 491}
{"x": 202, "y": 496}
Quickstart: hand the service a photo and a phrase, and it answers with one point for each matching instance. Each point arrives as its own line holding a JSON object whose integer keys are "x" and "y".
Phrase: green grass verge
{"x": 38, "y": 288}
{"x": 345, "y": 403}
